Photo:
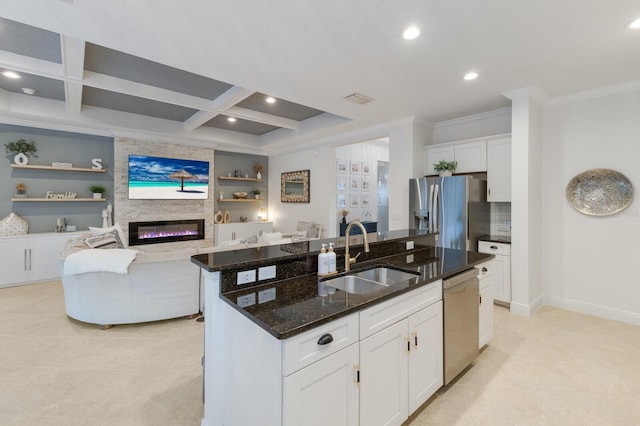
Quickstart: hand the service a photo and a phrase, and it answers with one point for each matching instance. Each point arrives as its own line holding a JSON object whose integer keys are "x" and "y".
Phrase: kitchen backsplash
{"x": 500, "y": 219}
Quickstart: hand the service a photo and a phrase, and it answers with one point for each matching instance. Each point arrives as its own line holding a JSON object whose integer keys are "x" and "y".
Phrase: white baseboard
{"x": 590, "y": 309}
{"x": 527, "y": 310}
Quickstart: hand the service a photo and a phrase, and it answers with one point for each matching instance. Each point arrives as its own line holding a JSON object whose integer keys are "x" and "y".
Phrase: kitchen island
{"x": 279, "y": 351}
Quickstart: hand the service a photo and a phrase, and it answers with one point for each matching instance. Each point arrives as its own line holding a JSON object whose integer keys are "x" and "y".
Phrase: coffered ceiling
{"x": 181, "y": 70}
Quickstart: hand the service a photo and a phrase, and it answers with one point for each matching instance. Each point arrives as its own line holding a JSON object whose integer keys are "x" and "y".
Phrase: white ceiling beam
{"x": 30, "y": 65}
{"x": 231, "y": 97}
{"x": 73, "y": 62}
{"x": 198, "y": 119}
{"x": 73, "y": 96}
{"x": 262, "y": 117}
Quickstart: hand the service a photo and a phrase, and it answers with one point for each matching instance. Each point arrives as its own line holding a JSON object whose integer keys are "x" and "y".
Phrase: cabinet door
{"x": 502, "y": 273}
{"x": 384, "y": 376}
{"x": 471, "y": 157}
{"x": 435, "y": 154}
{"x": 485, "y": 325}
{"x": 14, "y": 261}
{"x": 499, "y": 170}
{"x": 425, "y": 356}
{"x": 44, "y": 257}
{"x": 324, "y": 393}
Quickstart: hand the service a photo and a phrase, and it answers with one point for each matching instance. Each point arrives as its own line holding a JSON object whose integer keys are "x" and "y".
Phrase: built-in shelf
{"x": 235, "y": 178}
{"x": 58, "y": 200}
{"x": 238, "y": 200}
{"x": 63, "y": 169}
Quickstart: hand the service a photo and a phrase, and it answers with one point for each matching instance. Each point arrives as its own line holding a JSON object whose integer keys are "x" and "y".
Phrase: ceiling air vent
{"x": 358, "y": 98}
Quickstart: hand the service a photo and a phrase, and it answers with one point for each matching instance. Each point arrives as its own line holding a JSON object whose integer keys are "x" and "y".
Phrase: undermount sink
{"x": 369, "y": 280}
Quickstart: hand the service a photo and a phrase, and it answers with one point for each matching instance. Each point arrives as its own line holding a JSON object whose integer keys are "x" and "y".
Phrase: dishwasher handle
{"x": 460, "y": 278}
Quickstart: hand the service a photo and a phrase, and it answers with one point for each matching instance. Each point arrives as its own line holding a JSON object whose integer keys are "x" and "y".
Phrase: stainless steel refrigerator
{"x": 455, "y": 206}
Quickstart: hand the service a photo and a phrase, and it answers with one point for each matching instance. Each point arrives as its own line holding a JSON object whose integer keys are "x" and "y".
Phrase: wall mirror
{"x": 294, "y": 187}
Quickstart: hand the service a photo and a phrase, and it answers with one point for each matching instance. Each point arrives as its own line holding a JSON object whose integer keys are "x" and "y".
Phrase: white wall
{"x": 590, "y": 262}
{"x": 406, "y": 140}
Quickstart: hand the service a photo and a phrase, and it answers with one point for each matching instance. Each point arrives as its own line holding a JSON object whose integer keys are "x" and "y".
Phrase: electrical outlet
{"x": 246, "y": 300}
{"x": 409, "y": 245}
{"x": 266, "y": 272}
{"x": 267, "y": 295}
{"x": 245, "y": 277}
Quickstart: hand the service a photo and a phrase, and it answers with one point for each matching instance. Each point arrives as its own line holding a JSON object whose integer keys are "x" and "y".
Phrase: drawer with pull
{"x": 494, "y": 248}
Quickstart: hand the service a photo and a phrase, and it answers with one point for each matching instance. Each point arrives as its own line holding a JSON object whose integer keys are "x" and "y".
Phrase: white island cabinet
{"x": 380, "y": 365}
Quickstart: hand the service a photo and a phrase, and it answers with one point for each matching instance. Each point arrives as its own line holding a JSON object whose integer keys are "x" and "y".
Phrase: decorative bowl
{"x": 240, "y": 194}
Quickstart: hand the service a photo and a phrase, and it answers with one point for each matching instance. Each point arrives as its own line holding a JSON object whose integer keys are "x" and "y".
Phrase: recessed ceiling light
{"x": 472, "y": 75}
{"x": 10, "y": 74}
{"x": 231, "y": 119}
{"x": 270, "y": 100}
{"x": 634, "y": 25}
{"x": 411, "y": 33}
{"x": 28, "y": 91}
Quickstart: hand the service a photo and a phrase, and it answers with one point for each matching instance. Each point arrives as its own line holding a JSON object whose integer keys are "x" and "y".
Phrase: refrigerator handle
{"x": 436, "y": 207}
{"x": 431, "y": 209}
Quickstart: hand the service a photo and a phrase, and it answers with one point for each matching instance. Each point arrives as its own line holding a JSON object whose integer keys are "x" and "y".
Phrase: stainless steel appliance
{"x": 461, "y": 297}
{"x": 456, "y": 207}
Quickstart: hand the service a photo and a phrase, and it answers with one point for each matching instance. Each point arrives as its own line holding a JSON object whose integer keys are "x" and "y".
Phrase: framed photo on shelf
{"x": 354, "y": 167}
{"x": 341, "y": 165}
{"x": 354, "y": 183}
{"x": 354, "y": 200}
{"x": 366, "y": 168}
{"x": 341, "y": 183}
{"x": 365, "y": 184}
{"x": 342, "y": 200}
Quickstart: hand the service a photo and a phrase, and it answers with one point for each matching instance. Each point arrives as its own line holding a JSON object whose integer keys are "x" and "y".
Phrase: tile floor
{"x": 555, "y": 368}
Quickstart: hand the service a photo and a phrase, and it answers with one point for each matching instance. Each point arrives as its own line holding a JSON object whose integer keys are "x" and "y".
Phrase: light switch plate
{"x": 409, "y": 245}
{"x": 266, "y": 272}
{"x": 245, "y": 277}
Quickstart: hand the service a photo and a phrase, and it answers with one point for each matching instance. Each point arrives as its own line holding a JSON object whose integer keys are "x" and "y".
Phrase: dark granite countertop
{"x": 298, "y": 307}
{"x": 496, "y": 239}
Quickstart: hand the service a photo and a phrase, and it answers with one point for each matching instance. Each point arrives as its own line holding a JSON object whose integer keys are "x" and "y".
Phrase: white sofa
{"x": 157, "y": 286}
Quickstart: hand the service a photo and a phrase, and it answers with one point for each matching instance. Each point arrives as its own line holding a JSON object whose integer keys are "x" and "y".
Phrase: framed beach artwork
{"x": 354, "y": 167}
{"x": 365, "y": 184}
{"x": 366, "y": 168}
{"x": 341, "y": 166}
{"x": 354, "y": 183}
{"x": 342, "y": 200}
{"x": 341, "y": 183}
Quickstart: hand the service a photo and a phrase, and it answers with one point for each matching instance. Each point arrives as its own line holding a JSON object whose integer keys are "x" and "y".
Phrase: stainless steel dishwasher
{"x": 461, "y": 297}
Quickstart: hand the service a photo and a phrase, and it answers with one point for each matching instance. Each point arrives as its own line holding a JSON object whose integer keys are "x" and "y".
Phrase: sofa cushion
{"x": 309, "y": 227}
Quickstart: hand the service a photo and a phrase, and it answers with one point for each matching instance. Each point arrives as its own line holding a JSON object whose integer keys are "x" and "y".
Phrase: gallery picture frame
{"x": 354, "y": 167}
{"x": 366, "y": 168}
{"x": 341, "y": 166}
{"x": 354, "y": 183}
{"x": 354, "y": 200}
{"x": 341, "y": 200}
{"x": 341, "y": 183}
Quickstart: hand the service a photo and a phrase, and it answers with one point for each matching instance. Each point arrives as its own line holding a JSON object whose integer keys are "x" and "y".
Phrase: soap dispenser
{"x": 332, "y": 259}
{"x": 323, "y": 261}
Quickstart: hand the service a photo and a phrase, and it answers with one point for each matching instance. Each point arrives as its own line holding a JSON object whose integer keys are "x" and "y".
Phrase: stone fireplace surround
{"x": 126, "y": 211}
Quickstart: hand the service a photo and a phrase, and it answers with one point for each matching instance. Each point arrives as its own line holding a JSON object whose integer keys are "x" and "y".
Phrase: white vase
{"x": 259, "y": 175}
{"x": 21, "y": 159}
{"x": 445, "y": 173}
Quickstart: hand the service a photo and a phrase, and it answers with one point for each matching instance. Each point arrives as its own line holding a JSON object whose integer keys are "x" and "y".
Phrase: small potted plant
{"x": 97, "y": 190}
{"x": 21, "y": 190}
{"x": 258, "y": 169}
{"x": 445, "y": 168}
{"x": 22, "y": 150}
{"x": 257, "y": 192}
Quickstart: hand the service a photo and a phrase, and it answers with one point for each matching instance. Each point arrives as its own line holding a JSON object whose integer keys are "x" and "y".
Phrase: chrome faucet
{"x": 348, "y": 260}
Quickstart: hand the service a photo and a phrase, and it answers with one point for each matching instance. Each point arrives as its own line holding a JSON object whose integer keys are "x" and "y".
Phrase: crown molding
{"x": 474, "y": 117}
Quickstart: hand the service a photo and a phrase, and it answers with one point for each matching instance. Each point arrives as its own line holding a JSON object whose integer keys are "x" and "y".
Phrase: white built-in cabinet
{"x": 499, "y": 170}
{"x": 31, "y": 258}
{"x": 486, "y": 278}
{"x": 239, "y": 230}
{"x": 470, "y": 156}
{"x": 501, "y": 265}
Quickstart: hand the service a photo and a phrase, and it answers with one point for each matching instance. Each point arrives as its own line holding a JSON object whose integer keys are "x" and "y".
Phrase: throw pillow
{"x": 122, "y": 241}
{"x": 109, "y": 240}
{"x": 310, "y": 227}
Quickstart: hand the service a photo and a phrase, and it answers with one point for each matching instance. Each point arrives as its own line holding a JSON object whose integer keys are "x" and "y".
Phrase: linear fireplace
{"x": 165, "y": 231}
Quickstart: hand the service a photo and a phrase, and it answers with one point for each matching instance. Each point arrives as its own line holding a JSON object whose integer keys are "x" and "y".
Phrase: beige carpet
{"x": 555, "y": 368}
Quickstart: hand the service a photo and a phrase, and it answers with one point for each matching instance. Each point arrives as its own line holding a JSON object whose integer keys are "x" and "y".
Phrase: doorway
{"x": 382, "y": 203}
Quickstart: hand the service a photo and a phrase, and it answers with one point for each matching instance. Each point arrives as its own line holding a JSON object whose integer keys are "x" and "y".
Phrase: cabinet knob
{"x": 325, "y": 339}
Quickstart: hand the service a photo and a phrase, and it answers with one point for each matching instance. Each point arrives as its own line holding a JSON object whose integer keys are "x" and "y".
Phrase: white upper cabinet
{"x": 471, "y": 157}
{"x": 499, "y": 170}
{"x": 436, "y": 153}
